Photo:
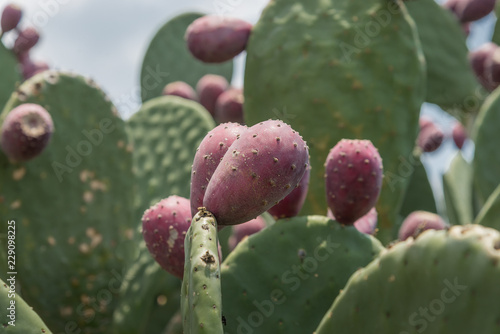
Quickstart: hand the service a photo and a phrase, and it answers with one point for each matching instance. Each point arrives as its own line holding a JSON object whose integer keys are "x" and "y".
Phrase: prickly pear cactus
{"x": 443, "y": 43}
{"x": 488, "y": 216}
{"x": 201, "y": 302}
{"x": 168, "y": 59}
{"x": 284, "y": 278}
{"x": 436, "y": 283}
{"x": 458, "y": 192}
{"x": 18, "y": 318}
{"x": 10, "y": 74}
{"x": 328, "y": 68}
{"x": 70, "y": 204}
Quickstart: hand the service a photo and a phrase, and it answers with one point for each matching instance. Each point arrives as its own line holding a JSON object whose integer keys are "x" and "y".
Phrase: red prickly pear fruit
{"x": 353, "y": 179}
{"x": 209, "y": 88}
{"x": 366, "y": 224}
{"x": 216, "y": 39}
{"x": 424, "y": 122}
{"x": 259, "y": 169}
{"x": 291, "y": 205}
{"x": 26, "y": 40}
{"x": 470, "y": 10}
{"x": 244, "y": 230}
{"x": 207, "y": 158}
{"x": 181, "y": 89}
{"x": 30, "y": 68}
{"x": 459, "y": 135}
{"x": 430, "y": 138}
{"x": 164, "y": 227}
{"x": 11, "y": 16}
{"x": 26, "y": 131}
{"x": 483, "y": 64}
{"x": 419, "y": 221}
{"x": 229, "y": 106}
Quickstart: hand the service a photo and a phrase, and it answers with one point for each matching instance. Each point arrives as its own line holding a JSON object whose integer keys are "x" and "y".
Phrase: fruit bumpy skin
{"x": 181, "y": 89}
{"x": 11, "y": 16}
{"x": 291, "y": 205}
{"x": 353, "y": 179}
{"x": 209, "y": 88}
{"x": 164, "y": 227}
{"x": 26, "y": 131}
{"x": 208, "y": 156}
{"x": 246, "y": 229}
{"x": 419, "y": 221}
{"x": 215, "y": 39}
{"x": 259, "y": 169}
{"x": 26, "y": 40}
{"x": 229, "y": 106}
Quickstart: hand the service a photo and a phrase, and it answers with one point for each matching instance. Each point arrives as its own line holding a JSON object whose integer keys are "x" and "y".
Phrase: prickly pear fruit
{"x": 459, "y": 135}
{"x": 353, "y": 179}
{"x": 26, "y": 131}
{"x": 209, "y": 88}
{"x": 430, "y": 138}
{"x": 26, "y": 40}
{"x": 216, "y": 39}
{"x": 259, "y": 169}
{"x": 229, "y": 106}
{"x": 30, "y": 68}
{"x": 243, "y": 230}
{"x": 291, "y": 205}
{"x": 424, "y": 122}
{"x": 181, "y": 89}
{"x": 164, "y": 226}
{"x": 478, "y": 60}
{"x": 11, "y": 16}
{"x": 419, "y": 221}
{"x": 470, "y": 10}
{"x": 366, "y": 224}
{"x": 207, "y": 158}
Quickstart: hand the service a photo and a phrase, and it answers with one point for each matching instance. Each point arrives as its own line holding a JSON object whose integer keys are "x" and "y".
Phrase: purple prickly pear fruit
{"x": 259, "y": 169}
{"x": 430, "y": 138}
{"x": 291, "y": 205}
{"x": 366, "y": 224}
{"x": 353, "y": 179}
{"x": 470, "y": 10}
{"x": 216, "y": 39}
{"x": 209, "y": 88}
{"x": 11, "y": 16}
{"x": 244, "y": 230}
{"x": 424, "y": 122}
{"x": 26, "y": 40}
{"x": 30, "y": 68}
{"x": 207, "y": 158}
{"x": 26, "y": 131}
{"x": 482, "y": 63}
{"x": 164, "y": 226}
{"x": 419, "y": 221}
{"x": 181, "y": 89}
{"x": 229, "y": 106}
{"x": 459, "y": 135}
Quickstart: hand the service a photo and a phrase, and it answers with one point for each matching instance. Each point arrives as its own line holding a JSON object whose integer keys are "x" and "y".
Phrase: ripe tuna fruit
{"x": 470, "y": 10}
{"x": 25, "y": 41}
{"x": 181, "y": 89}
{"x": 353, "y": 179}
{"x": 291, "y": 205}
{"x": 207, "y": 158}
{"x": 430, "y": 138}
{"x": 419, "y": 221}
{"x": 366, "y": 224}
{"x": 216, "y": 39}
{"x": 259, "y": 169}
{"x": 459, "y": 135}
{"x": 164, "y": 226}
{"x": 30, "y": 68}
{"x": 209, "y": 88}
{"x": 244, "y": 230}
{"x": 11, "y": 16}
{"x": 229, "y": 106}
{"x": 26, "y": 131}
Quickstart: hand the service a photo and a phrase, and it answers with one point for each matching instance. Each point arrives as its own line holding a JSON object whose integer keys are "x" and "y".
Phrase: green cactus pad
{"x": 441, "y": 283}
{"x": 168, "y": 59}
{"x": 457, "y": 187}
{"x": 496, "y": 33}
{"x": 10, "y": 74}
{"x": 317, "y": 66}
{"x": 284, "y": 278}
{"x": 450, "y": 80}
{"x": 25, "y": 320}
{"x": 487, "y": 156}
{"x": 490, "y": 213}
{"x": 201, "y": 303}
{"x": 72, "y": 204}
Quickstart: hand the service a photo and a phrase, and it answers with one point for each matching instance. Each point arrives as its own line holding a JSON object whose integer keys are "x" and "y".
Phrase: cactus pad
{"x": 457, "y": 188}
{"x": 10, "y": 74}
{"x": 490, "y": 213}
